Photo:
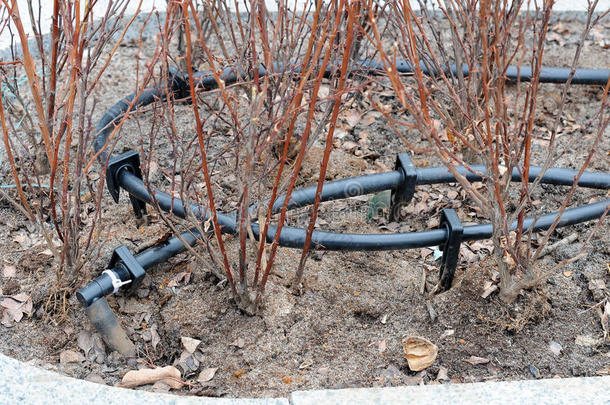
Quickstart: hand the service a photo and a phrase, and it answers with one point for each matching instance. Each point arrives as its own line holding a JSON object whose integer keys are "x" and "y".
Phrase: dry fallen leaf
{"x": 10, "y": 303}
{"x": 23, "y": 297}
{"x": 169, "y": 375}
{"x": 353, "y": 118}
{"x": 468, "y": 255}
{"x": 188, "y": 363}
{"x": 9, "y": 271}
{"x": 340, "y": 134}
{"x": 239, "y": 342}
{"x": 597, "y": 287}
{"x": 480, "y": 245}
{"x": 95, "y": 378}
{"x": 369, "y": 119}
{"x": 207, "y": 374}
{"x": 85, "y": 341}
{"x": 382, "y": 346}
{"x": 175, "y": 281}
{"x": 69, "y": 330}
{"x": 20, "y": 238}
{"x": 6, "y": 319}
{"x": 349, "y": 146}
{"x": 488, "y": 288}
{"x": 474, "y": 360}
{"x": 560, "y": 28}
{"x": 443, "y": 374}
{"x": 419, "y": 352}
{"x": 70, "y": 356}
{"x": 154, "y": 336}
{"x": 452, "y": 194}
{"x": 324, "y": 91}
{"x": 15, "y": 306}
{"x": 190, "y": 344}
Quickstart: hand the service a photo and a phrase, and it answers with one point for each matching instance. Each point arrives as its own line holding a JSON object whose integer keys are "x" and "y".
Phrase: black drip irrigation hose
{"x": 123, "y": 172}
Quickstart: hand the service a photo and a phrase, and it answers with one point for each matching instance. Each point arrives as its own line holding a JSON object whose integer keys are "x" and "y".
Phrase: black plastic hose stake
{"x": 123, "y": 172}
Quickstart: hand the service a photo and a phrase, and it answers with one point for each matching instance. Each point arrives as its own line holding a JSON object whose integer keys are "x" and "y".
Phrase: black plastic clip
{"x": 129, "y": 161}
{"x": 122, "y": 260}
{"x": 451, "y": 249}
{"x": 403, "y": 194}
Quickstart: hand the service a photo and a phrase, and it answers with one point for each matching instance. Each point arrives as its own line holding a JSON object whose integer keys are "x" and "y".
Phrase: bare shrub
{"x": 460, "y": 63}
{"x": 261, "y": 127}
{"x": 50, "y": 94}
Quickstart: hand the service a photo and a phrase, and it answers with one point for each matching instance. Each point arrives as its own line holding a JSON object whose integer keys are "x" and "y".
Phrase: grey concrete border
{"x": 24, "y": 384}
{"x": 582, "y": 390}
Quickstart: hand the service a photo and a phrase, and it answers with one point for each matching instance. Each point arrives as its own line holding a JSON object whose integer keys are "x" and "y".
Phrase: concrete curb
{"x": 582, "y": 390}
{"x": 24, "y": 384}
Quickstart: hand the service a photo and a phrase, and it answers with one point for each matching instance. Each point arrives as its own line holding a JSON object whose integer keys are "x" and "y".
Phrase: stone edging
{"x": 24, "y": 384}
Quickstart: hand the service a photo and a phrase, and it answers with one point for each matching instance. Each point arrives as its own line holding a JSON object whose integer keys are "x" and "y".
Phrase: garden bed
{"x": 346, "y": 329}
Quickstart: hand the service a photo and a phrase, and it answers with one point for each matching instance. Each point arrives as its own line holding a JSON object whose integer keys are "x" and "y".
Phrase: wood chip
{"x": 564, "y": 242}
{"x": 489, "y": 289}
{"x": 169, "y": 375}
{"x": 306, "y": 364}
{"x": 447, "y": 333}
{"x": 474, "y": 360}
